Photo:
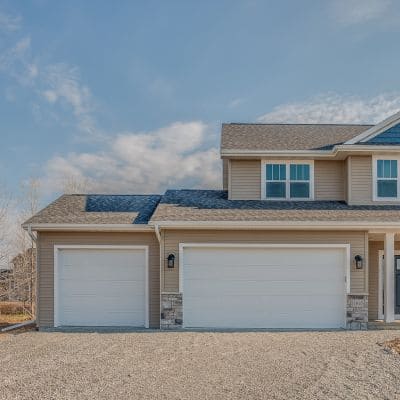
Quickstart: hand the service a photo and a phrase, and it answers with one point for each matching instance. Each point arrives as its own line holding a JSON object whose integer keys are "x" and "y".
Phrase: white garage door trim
{"x": 345, "y": 247}
{"x": 57, "y": 249}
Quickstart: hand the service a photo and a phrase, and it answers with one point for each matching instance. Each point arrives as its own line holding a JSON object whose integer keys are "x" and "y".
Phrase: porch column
{"x": 388, "y": 280}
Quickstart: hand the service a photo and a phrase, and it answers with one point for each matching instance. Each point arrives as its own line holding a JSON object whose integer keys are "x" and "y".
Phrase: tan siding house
{"x": 46, "y": 243}
{"x": 245, "y": 180}
{"x": 304, "y": 233}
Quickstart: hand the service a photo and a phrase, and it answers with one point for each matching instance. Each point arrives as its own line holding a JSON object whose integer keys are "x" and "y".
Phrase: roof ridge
{"x": 111, "y": 194}
{"x": 294, "y": 124}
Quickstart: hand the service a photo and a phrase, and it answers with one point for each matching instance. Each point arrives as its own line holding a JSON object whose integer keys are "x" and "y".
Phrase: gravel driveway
{"x": 197, "y": 365}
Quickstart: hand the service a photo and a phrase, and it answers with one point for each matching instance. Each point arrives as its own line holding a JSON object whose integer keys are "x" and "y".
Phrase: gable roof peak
{"x": 376, "y": 129}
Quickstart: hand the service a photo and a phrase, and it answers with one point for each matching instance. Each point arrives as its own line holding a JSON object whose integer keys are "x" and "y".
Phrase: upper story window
{"x": 288, "y": 180}
{"x": 386, "y": 181}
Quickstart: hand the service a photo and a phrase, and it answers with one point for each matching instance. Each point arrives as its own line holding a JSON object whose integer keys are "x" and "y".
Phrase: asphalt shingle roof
{"x": 198, "y": 206}
{"x": 98, "y": 209}
{"x": 213, "y": 205}
{"x": 263, "y": 137}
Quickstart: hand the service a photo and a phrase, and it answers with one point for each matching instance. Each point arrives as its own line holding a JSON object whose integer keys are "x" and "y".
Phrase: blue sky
{"x": 129, "y": 96}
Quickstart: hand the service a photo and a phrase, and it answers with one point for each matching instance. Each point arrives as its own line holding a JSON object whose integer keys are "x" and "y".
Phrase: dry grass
{"x": 12, "y": 312}
{"x": 393, "y": 345}
{"x": 13, "y": 318}
{"x": 13, "y": 307}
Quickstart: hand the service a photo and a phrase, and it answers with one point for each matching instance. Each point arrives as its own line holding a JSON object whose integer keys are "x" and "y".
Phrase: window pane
{"x": 387, "y": 188}
{"x": 269, "y": 172}
{"x": 276, "y": 172}
{"x": 293, "y": 172}
{"x": 380, "y": 168}
{"x": 299, "y": 172}
{"x": 306, "y": 172}
{"x": 282, "y": 171}
{"x": 299, "y": 190}
{"x": 386, "y": 169}
{"x": 393, "y": 168}
{"x": 276, "y": 189}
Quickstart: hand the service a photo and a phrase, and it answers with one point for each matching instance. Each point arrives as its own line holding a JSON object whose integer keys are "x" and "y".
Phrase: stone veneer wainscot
{"x": 171, "y": 311}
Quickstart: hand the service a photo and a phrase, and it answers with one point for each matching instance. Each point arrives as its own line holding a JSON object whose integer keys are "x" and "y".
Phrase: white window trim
{"x": 59, "y": 247}
{"x": 264, "y": 163}
{"x": 375, "y": 196}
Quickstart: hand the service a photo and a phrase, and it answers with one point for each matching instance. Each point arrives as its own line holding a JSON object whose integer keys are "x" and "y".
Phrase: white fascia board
{"x": 281, "y": 225}
{"x": 90, "y": 227}
{"x": 376, "y": 130}
{"x": 280, "y": 153}
{"x": 311, "y": 153}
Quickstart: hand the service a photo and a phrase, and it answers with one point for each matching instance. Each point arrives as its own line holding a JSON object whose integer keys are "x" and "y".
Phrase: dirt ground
{"x": 199, "y": 365}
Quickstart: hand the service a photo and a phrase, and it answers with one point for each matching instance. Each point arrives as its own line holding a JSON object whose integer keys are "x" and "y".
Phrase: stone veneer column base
{"x": 171, "y": 311}
{"x": 357, "y": 312}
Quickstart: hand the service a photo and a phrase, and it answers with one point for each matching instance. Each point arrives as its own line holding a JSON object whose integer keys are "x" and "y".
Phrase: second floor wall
{"x": 350, "y": 180}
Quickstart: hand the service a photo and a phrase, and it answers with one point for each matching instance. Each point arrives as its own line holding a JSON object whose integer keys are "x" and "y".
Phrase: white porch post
{"x": 388, "y": 280}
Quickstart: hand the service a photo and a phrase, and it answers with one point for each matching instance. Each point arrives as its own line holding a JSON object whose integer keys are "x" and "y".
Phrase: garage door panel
{"x": 104, "y": 319}
{"x": 101, "y": 287}
{"x": 111, "y": 304}
{"x": 264, "y": 287}
{"x": 103, "y": 273}
{"x": 257, "y": 255}
{"x": 272, "y": 303}
{"x": 95, "y": 287}
{"x": 270, "y": 272}
{"x": 259, "y": 288}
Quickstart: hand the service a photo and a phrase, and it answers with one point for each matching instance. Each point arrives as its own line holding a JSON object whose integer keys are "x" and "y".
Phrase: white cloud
{"x": 349, "y": 12}
{"x": 332, "y": 108}
{"x": 9, "y": 23}
{"x": 62, "y": 84}
{"x": 58, "y": 84}
{"x": 179, "y": 155}
{"x": 18, "y": 63}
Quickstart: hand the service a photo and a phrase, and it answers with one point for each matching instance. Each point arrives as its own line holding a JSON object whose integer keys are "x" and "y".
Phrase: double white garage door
{"x": 264, "y": 287}
{"x": 223, "y": 286}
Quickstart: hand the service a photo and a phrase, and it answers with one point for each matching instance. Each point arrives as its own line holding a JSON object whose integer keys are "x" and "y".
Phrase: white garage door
{"x": 259, "y": 287}
{"x": 100, "y": 287}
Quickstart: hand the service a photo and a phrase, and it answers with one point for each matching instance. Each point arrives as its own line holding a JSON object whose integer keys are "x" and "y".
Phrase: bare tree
{"x": 73, "y": 184}
{"x": 24, "y": 248}
{"x": 5, "y": 200}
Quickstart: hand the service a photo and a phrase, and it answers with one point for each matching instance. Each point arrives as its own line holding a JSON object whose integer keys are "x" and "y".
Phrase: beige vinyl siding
{"x": 360, "y": 184}
{"x": 172, "y": 238}
{"x": 361, "y": 181}
{"x": 225, "y": 173}
{"x": 46, "y": 242}
{"x": 374, "y": 248}
{"x": 346, "y": 179}
{"x": 329, "y": 182}
{"x": 245, "y": 180}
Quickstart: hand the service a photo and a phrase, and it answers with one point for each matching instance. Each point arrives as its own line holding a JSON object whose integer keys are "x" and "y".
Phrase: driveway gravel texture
{"x": 199, "y": 365}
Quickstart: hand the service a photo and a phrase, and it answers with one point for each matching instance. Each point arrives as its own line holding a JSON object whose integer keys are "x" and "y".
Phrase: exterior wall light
{"x": 359, "y": 261}
{"x": 171, "y": 261}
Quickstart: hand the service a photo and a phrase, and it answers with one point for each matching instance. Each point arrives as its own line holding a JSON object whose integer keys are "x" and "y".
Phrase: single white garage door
{"x": 264, "y": 287}
{"x": 100, "y": 287}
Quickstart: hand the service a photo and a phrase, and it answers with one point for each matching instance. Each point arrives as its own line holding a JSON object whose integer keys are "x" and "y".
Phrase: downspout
{"x": 157, "y": 231}
{"x": 158, "y": 235}
{"x": 34, "y": 240}
{"x": 30, "y": 233}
